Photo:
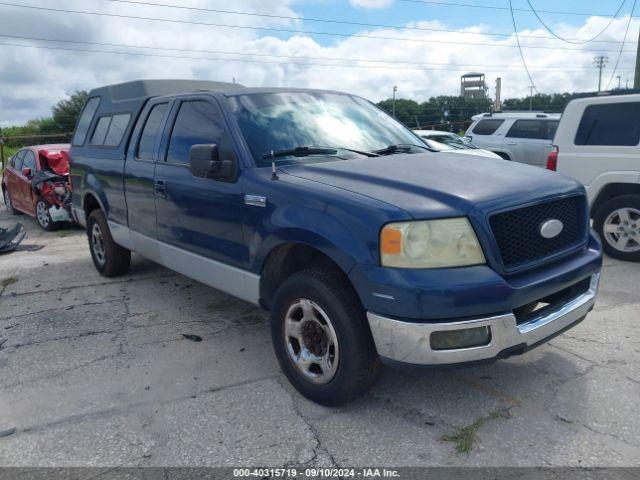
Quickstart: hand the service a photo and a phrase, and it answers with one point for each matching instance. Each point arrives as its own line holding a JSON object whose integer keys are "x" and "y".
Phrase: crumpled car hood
{"x": 58, "y": 160}
{"x": 438, "y": 184}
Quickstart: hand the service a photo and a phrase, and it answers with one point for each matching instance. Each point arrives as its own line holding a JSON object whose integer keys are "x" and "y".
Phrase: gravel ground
{"x": 95, "y": 372}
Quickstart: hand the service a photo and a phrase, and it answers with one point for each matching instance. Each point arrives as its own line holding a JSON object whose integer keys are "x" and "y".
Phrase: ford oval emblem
{"x": 551, "y": 228}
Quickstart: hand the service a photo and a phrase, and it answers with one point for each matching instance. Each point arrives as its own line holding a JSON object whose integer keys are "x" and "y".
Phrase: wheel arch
{"x": 288, "y": 258}
{"x": 611, "y": 191}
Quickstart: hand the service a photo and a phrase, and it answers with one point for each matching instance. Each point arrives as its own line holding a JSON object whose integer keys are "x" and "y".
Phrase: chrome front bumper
{"x": 410, "y": 343}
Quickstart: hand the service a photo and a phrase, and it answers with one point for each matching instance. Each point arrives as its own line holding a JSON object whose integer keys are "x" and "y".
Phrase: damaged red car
{"x": 36, "y": 182}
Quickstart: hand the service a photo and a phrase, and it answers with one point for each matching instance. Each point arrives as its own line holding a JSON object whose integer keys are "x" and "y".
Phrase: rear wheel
{"x": 109, "y": 258}
{"x": 42, "y": 215}
{"x": 7, "y": 202}
{"x": 617, "y": 222}
{"x": 321, "y": 337}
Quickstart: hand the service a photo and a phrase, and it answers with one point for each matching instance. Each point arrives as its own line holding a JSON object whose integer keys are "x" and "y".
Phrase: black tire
{"x": 632, "y": 230}
{"x": 8, "y": 203}
{"x": 503, "y": 155}
{"x": 109, "y": 258}
{"x": 42, "y": 215}
{"x": 358, "y": 365}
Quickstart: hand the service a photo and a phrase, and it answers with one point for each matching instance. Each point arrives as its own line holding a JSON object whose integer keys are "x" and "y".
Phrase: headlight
{"x": 443, "y": 243}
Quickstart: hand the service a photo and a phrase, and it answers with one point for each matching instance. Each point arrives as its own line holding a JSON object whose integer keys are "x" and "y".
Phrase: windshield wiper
{"x": 400, "y": 147}
{"x": 308, "y": 151}
{"x": 300, "y": 152}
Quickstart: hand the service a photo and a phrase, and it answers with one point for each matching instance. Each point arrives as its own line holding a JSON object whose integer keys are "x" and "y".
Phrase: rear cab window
{"x": 110, "y": 130}
{"x": 487, "y": 127}
{"x": 85, "y": 121}
{"x": 612, "y": 124}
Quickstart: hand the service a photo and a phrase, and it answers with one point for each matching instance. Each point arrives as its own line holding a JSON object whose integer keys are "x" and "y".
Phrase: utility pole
{"x": 600, "y": 62}
{"x": 393, "y": 104}
{"x": 619, "y": 77}
{"x": 531, "y": 98}
{"x": 636, "y": 79}
{"x": 497, "y": 106}
{"x": 1, "y": 151}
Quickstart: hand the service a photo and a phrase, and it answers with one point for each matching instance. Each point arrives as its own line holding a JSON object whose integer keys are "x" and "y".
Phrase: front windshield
{"x": 288, "y": 120}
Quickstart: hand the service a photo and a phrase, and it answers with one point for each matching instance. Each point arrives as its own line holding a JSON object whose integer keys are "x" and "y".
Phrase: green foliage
{"x": 57, "y": 128}
{"x": 465, "y": 437}
{"x": 437, "y": 111}
{"x": 554, "y": 102}
{"x": 460, "y": 110}
{"x": 66, "y": 112}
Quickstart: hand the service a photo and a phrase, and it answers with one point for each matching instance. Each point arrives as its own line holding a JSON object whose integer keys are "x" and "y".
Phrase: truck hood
{"x": 441, "y": 184}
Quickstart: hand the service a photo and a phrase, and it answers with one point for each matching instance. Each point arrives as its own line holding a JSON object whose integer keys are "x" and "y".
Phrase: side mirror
{"x": 26, "y": 171}
{"x": 204, "y": 161}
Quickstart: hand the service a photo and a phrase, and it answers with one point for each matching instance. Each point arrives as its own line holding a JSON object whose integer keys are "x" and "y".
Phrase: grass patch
{"x": 465, "y": 437}
{"x": 5, "y": 282}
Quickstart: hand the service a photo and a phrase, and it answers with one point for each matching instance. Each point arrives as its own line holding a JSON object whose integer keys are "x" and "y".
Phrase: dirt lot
{"x": 95, "y": 372}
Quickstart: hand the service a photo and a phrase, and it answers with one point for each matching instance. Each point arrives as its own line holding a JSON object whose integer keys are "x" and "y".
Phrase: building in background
{"x": 473, "y": 85}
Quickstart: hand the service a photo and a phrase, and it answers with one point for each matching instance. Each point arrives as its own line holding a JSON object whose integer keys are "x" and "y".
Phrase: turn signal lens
{"x": 391, "y": 241}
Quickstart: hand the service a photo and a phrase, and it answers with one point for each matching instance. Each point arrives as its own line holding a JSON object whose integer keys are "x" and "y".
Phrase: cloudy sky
{"x": 50, "y": 48}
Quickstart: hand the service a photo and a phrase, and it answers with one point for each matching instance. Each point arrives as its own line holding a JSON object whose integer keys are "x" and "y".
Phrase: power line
{"x": 239, "y": 60}
{"x": 384, "y": 63}
{"x": 572, "y": 41}
{"x": 333, "y": 21}
{"x": 615, "y": 67}
{"x": 524, "y": 62}
{"x": 496, "y": 7}
{"x": 284, "y": 30}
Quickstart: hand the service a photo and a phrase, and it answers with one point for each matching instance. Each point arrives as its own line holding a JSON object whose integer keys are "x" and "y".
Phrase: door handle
{"x": 510, "y": 143}
{"x": 160, "y": 188}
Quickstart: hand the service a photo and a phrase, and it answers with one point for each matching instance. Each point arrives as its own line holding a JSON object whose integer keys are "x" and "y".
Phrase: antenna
{"x": 274, "y": 175}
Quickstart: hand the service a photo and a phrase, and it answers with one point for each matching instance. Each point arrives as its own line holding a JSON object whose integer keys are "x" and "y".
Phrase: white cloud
{"x": 371, "y": 3}
{"x": 33, "y": 79}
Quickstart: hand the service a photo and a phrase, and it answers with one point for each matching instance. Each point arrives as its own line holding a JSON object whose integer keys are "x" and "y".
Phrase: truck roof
{"x": 141, "y": 89}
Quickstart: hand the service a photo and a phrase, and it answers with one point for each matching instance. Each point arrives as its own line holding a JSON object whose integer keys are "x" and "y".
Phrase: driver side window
{"x": 16, "y": 163}
{"x": 197, "y": 122}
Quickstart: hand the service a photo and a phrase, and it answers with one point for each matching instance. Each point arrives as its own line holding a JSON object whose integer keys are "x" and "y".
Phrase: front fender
{"x": 313, "y": 228}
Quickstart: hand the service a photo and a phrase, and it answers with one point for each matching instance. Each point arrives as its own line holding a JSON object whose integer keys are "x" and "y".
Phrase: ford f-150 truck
{"x": 366, "y": 247}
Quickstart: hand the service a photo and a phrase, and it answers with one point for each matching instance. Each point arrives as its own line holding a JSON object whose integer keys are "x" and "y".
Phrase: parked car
{"x": 597, "y": 143}
{"x": 35, "y": 181}
{"x": 365, "y": 246}
{"x": 523, "y": 137}
{"x": 444, "y": 141}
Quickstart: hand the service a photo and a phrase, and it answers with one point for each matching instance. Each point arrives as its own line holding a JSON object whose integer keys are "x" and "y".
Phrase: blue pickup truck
{"x": 366, "y": 247}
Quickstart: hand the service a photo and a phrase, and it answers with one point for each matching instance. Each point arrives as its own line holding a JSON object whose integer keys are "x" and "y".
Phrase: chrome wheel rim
{"x": 97, "y": 244}
{"x": 7, "y": 201}
{"x": 311, "y": 341}
{"x": 622, "y": 230}
{"x": 42, "y": 214}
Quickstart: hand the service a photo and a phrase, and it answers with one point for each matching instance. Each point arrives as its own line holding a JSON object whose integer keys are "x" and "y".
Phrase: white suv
{"x": 597, "y": 143}
{"x": 523, "y": 137}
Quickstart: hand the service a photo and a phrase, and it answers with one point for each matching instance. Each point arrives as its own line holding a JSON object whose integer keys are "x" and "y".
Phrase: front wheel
{"x": 109, "y": 258}
{"x": 617, "y": 222}
{"x": 42, "y": 215}
{"x": 321, "y": 337}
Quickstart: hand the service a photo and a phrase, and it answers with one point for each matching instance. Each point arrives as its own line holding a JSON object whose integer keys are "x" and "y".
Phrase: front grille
{"x": 517, "y": 232}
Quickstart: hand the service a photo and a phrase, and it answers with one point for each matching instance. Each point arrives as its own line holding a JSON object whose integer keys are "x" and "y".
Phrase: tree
{"x": 67, "y": 111}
